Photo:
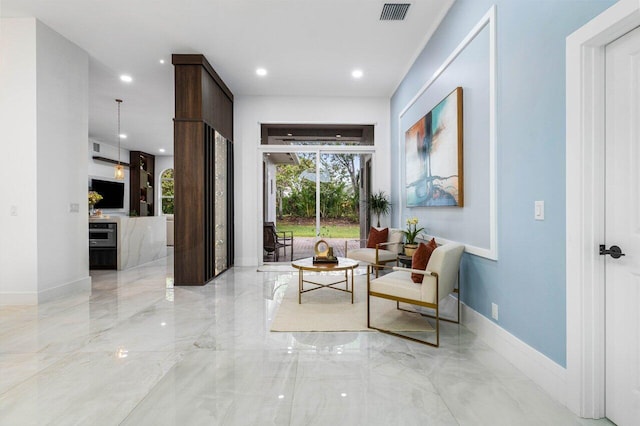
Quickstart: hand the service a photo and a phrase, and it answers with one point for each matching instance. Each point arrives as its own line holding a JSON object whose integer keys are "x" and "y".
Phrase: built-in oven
{"x": 103, "y": 235}
{"x": 103, "y": 245}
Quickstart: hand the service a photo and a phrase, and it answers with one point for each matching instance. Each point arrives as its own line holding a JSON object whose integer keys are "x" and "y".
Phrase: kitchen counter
{"x": 140, "y": 239}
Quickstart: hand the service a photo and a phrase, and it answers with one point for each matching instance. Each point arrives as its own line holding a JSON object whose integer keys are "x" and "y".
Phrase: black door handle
{"x": 614, "y": 251}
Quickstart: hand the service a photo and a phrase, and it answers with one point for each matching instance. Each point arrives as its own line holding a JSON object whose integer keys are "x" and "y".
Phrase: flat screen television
{"x": 112, "y": 194}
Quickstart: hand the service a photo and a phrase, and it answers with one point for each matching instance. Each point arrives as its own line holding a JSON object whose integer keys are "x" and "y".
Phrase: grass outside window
{"x": 331, "y": 231}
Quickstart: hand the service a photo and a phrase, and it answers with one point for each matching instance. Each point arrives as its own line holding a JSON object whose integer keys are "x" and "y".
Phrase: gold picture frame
{"x": 434, "y": 157}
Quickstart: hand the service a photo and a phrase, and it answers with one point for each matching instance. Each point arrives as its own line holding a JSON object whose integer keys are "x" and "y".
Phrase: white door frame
{"x": 585, "y": 82}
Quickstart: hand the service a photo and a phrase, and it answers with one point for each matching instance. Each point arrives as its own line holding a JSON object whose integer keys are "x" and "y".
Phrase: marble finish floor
{"x": 137, "y": 351}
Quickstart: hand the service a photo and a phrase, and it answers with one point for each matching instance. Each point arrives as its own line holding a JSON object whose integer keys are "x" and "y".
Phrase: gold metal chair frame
{"x": 378, "y": 265}
{"x": 398, "y": 300}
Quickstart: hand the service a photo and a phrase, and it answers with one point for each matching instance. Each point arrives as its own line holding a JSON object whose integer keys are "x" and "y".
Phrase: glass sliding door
{"x": 289, "y": 204}
{"x": 230, "y": 206}
{"x": 321, "y": 179}
{"x": 217, "y": 218}
{"x": 301, "y": 202}
{"x": 339, "y": 199}
{"x": 315, "y": 195}
{"x": 220, "y": 209}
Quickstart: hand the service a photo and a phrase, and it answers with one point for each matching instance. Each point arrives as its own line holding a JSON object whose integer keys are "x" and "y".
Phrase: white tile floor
{"x": 138, "y": 353}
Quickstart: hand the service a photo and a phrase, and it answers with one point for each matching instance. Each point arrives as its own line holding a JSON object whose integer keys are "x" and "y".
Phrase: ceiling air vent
{"x": 394, "y": 11}
{"x": 96, "y": 147}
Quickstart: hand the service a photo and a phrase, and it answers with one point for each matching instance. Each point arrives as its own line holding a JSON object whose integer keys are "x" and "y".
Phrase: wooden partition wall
{"x": 203, "y": 155}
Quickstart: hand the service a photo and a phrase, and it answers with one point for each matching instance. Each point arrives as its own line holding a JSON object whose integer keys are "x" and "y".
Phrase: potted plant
{"x": 94, "y": 197}
{"x": 411, "y": 234}
{"x": 379, "y": 204}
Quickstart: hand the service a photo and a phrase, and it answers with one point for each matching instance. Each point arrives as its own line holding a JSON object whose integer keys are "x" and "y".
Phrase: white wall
{"x": 251, "y": 111}
{"x": 105, "y": 171}
{"x": 62, "y": 81}
{"x": 18, "y": 214}
{"x": 44, "y": 122}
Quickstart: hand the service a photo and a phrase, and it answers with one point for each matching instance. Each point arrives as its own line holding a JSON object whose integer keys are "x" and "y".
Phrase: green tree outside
{"x": 339, "y": 188}
{"x": 166, "y": 185}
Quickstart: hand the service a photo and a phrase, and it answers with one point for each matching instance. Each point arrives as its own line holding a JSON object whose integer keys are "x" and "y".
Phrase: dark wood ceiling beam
{"x": 315, "y": 132}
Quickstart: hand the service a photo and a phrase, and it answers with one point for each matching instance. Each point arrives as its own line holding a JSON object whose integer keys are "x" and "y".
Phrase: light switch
{"x": 13, "y": 211}
{"x": 74, "y": 208}
{"x": 539, "y": 210}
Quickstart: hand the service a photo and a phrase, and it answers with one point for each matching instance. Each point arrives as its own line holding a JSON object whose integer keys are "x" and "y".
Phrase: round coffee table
{"x": 306, "y": 264}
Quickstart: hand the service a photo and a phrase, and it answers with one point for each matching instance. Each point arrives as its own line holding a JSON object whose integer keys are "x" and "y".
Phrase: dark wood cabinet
{"x": 142, "y": 183}
{"x": 203, "y": 164}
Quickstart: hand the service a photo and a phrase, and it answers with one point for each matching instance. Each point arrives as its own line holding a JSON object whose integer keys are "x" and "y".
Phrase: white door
{"x": 622, "y": 228}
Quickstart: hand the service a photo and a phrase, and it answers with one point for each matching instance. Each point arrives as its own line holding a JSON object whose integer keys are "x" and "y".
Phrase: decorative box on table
{"x": 325, "y": 260}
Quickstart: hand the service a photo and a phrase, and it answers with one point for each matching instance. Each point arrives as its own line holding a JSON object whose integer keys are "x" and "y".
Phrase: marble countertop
{"x": 141, "y": 239}
{"x": 114, "y": 218}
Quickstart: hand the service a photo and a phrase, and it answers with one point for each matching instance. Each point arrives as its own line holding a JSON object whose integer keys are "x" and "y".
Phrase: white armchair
{"x": 382, "y": 254}
{"x": 440, "y": 279}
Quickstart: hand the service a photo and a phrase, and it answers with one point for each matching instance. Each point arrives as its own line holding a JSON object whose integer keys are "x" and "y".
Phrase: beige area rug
{"x": 331, "y": 310}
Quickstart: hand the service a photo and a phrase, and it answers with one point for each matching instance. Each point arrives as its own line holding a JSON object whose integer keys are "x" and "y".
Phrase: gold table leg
{"x": 330, "y": 285}
{"x": 352, "y": 287}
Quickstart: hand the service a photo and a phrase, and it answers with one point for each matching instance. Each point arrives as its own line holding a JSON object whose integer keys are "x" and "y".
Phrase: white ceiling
{"x": 309, "y": 48}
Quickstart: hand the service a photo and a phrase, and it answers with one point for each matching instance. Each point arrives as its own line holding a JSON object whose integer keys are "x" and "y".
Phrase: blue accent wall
{"x": 528, "y": 279}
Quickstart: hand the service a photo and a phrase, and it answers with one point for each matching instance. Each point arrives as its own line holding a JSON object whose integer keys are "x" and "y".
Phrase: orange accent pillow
{"x": 377, "y": 237}
{"x": 420, "y": 259}
{"x": 432, "y": 244}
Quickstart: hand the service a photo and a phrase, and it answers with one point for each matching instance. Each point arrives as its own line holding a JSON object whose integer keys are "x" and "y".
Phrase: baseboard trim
{"x": 246, "y": 261}
{"x": 550, "y": 376}
{"x": 78, "y": 286}
{"x": 15, "y": 298}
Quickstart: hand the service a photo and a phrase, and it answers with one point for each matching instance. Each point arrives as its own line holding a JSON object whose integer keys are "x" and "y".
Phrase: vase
{"x": 410, "y": 248}
{"x": 92, "y": 210}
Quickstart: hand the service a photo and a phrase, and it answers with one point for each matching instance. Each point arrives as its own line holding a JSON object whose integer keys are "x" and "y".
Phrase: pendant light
{"x": 119, "y": 172}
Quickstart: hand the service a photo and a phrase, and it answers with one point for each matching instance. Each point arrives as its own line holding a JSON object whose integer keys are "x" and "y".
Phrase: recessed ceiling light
{"x": 161, "y": 150}
{"x": 261, "y": 72}
{"x": 162, "y": 61}
{"x": 126, "y": 78}
{"x": 338, "y": 136}
{"x": 356, "y": 73}
{"x": 289, "y": 134}
{"x": 123, "y": 136}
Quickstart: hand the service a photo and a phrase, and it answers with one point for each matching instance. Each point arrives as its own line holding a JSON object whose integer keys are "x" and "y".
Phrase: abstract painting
{"x": 433, "y": 156}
